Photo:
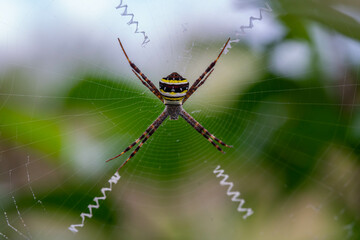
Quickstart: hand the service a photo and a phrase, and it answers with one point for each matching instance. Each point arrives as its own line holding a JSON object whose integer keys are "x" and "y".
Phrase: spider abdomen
{"x": 173, "y": 88}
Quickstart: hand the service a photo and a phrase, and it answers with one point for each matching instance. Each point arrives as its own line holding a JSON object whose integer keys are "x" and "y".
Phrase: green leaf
{"x": 310, "y": 123}
{"x": 297, "y": 27}
{"x": 114, "y": 98}
{"x": 322, "y": 13}
{"x": 24, "y": 129}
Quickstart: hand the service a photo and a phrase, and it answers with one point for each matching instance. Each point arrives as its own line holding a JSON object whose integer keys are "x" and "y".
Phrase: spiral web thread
{"x": 113, "y": 180}
{"x": 250, "y": 26}
{"x": 136, "y": 23}
{"x": 235, "y": 195}
{"x": 28, "y": 234}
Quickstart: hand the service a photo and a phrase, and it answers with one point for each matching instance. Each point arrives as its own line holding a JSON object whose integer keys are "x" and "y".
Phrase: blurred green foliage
{"x": 312, "y": 119}
{"x": 21, "y": 127}
{"x": 321, "y": 12}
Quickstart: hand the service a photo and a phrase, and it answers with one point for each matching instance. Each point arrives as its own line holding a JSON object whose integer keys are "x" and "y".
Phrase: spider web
{"x": 285, "y": 96}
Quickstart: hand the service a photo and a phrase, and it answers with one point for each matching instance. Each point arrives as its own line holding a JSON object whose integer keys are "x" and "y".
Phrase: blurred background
{"x": 285, "y": 96}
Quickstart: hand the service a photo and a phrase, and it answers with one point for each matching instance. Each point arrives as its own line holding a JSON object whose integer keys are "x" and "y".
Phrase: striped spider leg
{"x": 198, "y": 127}
{"x": 201, "y": 80}
{"x": 144, "y": 79}
{"x": 145, "y": 136}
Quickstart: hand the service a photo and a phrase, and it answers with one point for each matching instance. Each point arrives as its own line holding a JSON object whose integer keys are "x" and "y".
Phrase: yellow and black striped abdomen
{"x": 173, "y": 88}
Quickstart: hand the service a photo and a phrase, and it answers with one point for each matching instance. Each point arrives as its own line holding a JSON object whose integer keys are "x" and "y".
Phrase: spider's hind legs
{"x": 198, "y": 127}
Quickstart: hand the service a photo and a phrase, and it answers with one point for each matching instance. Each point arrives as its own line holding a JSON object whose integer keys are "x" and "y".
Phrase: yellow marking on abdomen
{"x": 173, "y": 99}
{"x": 174, "y": 81}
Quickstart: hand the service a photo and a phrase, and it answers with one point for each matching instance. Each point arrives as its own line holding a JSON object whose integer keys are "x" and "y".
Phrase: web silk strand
{"x": 28, "y": 178}
{"x": 13, "y": 228}
{"x": 136, "y": 23}
{"x": 113, "y": 180}
{"x": 233, "y": 194}
{"x": 19, "y": 215}
{"x": 3, "y": 235}
{"x": 250, "y": 26}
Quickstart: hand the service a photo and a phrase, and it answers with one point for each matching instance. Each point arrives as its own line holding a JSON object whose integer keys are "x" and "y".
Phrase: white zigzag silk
{"x": 250, "y": 26}
{"x": 235, "y": 195}
{"x": 125, "y": 13}
{"x": 252, "y": 18}
{"x": 218, "y": 172}
{"x": 113, "y": 180}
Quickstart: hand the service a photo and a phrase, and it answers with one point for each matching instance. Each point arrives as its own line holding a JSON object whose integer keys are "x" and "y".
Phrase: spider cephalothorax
{"x": 174, "y": 91}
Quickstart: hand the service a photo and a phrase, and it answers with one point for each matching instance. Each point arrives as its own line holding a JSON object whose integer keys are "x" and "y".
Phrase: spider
{"x": 174, "y": 91}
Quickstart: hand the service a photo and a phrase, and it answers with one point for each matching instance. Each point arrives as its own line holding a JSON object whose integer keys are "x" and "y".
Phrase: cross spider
{"x": 174, "y": 91}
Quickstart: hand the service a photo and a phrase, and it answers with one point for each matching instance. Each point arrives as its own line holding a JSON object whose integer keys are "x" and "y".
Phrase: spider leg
{"x": 159, "y": 121}
{"x": 146, "y": 84}
{"x": 198, "y": 127}
{"x": 203, "y": 81}
{"x": 210, "y": 67}
{"x": 146, "y": 135}
{"x": 197, "y": 86}
{"x": 134, "y": 143}
{"x": 138, "y": 73}
{"x": 207, "y": 132}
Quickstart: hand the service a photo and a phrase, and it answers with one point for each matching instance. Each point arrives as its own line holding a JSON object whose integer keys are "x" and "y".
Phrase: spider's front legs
{"x": 138, "y": 73}
{"x": 192, "y": 90}
{"x": 198, "y": 127}
{"x": 200, "y": 81}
